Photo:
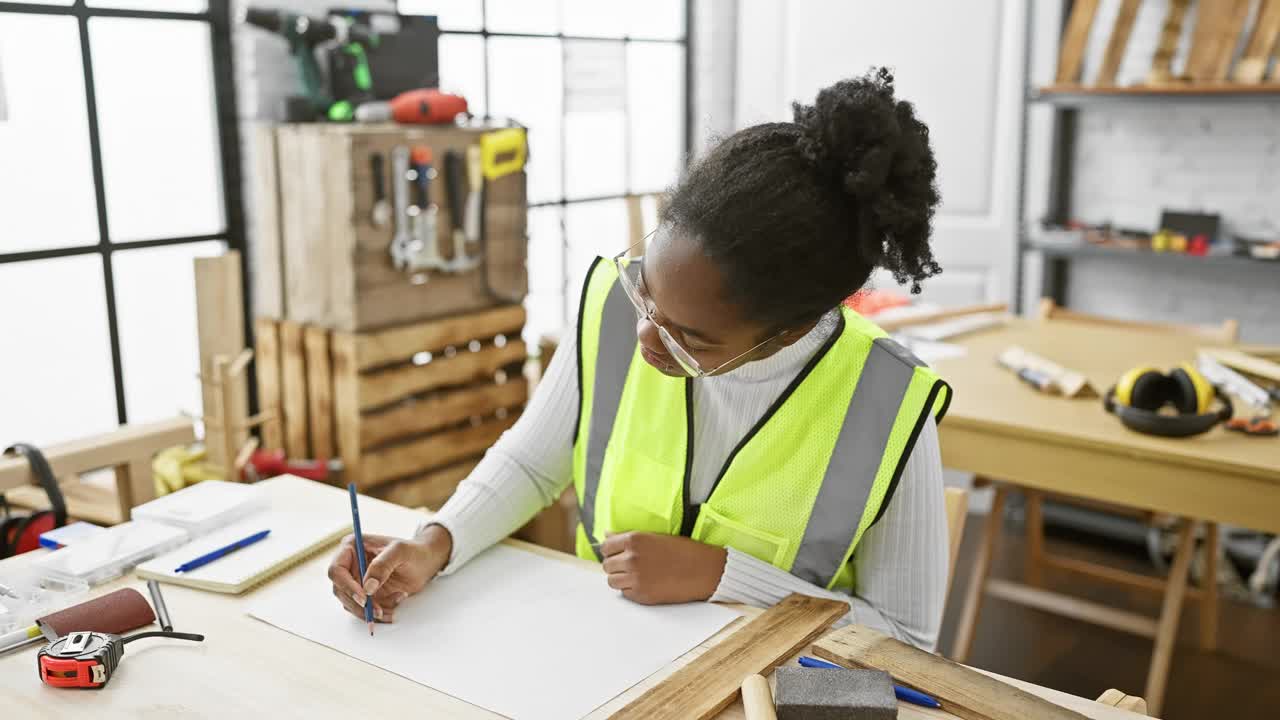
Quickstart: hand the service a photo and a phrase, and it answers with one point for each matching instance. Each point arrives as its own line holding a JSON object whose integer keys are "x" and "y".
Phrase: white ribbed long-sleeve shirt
{"x": 900, "y": 563}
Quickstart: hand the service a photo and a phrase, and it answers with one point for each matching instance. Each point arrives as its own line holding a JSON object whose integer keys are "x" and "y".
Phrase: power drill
{"x": 304, "y": 34}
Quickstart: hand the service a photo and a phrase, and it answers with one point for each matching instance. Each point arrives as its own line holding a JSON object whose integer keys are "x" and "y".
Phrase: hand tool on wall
{"x": 403, "y": 237}
{"x": 453, "y": 181}
{"x": 475, "y": 199}
{"x": 380, "y": 215}
{"x": 423, "y": 213}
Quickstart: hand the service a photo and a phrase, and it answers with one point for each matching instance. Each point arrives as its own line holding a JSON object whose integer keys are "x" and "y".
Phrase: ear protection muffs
{"x": 20, "y": 533}
{"x": 1140, "y": 394}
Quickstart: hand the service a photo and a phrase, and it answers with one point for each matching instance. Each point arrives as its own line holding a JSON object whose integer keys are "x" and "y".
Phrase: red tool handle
{"x": 427, "y": 106}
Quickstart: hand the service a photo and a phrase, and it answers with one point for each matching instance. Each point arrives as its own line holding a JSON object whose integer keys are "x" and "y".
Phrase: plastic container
{"x": 37, "y": 596}
{"x": 111, "y": 553}
{"x": 204, "y": 507}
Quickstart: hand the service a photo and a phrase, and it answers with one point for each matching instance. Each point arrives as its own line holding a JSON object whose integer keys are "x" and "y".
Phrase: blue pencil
{"x": 905, "y": 694}
{"x": 221, "y": 552}
{"x": 360, "y": 559}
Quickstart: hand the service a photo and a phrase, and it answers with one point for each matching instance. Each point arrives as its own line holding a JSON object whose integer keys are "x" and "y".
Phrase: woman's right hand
{"x": 397, "y": 569}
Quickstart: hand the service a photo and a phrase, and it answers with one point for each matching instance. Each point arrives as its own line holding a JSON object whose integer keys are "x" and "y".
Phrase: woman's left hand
{"x": 654, "y": 569}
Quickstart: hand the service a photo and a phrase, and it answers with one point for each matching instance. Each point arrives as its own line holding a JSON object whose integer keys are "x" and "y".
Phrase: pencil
{"x": 360, "y": 557}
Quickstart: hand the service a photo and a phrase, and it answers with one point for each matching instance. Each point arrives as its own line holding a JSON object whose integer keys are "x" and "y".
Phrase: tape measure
{"x": 87, "y": 659}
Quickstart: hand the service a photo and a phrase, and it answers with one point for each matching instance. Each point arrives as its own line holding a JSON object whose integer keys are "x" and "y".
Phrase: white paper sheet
{"x": 505, "y": 633}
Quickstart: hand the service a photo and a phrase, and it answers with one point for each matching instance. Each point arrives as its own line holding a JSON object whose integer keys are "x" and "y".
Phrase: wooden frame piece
{"x": 1074, "y": 41}
{"x": 220, "y": 327}
{"x": 1117, "y": 43}
{"x": 1252, "y": 65}
{"x": 1170, "y": 33}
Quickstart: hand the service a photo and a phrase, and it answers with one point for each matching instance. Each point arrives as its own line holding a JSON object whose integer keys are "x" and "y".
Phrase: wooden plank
{"x": 1117, "y": 43}
{"x": 293, "y": 378}
{"x": 1072, "y": 607}
{"x": 430, "y": 490}
{"x": 894, "y": 324}
{"x": 1245, "y": 363}
{"x": 220, "y": 328}
{"x": 433, "y": 451}
{"x": 1115, "y": 575}
{"x": 266, "y": 335}
{"x": 1170, "y": 613}
{"x": 267, "y": 240}
{"x": 415, "y": 417}
{"x": 1170, "y": 33}
{"x": 1218, "y": 27}
{"x": 346, "y": 404}
{"x": 333, "y": 150}
{"x": 388, "y": 386}
{"x": 1229, "y": 33}
{"x": 975, "y": 591}
{"x": 1252, "y": 66}
{"x": 92, "y": 503}
{"x": 713, "y": 680}
{"x": 100, "y": 451}
{"x": 635, "y": 220}
{"x": 319, "y": 392}
{"x": 963, "y": 692}
{"x": 1074, "y": 40}
{"x": 399, "y": 344}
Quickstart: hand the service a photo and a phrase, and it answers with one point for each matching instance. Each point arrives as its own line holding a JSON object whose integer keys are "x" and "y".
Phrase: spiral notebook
{"x": 303, "y": 516}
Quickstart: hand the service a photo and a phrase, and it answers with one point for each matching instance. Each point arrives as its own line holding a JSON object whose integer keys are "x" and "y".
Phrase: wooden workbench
{"x": 1000, "y": 428}
{"x": 247, "y": 668}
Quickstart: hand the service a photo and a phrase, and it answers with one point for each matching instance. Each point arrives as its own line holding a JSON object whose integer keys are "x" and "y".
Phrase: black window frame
{"x": 218, "y": 17}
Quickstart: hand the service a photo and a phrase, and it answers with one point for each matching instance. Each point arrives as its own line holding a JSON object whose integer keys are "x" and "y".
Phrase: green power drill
{"x": 304, "y": 34}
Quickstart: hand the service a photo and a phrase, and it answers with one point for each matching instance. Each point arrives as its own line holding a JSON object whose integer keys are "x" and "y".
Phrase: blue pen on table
{"x": 221, "y": 552}
{"x": 904, "y": 694}
{"x": 360, "y": 557}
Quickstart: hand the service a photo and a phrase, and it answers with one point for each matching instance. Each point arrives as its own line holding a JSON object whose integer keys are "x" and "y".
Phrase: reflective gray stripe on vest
{"x": 617, "y": 344}
{"x": 846, "y": 485}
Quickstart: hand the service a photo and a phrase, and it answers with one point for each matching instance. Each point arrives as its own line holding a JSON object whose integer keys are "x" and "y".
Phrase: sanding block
{"x": 840, "y": 694}
{"x": 116, "y": 613}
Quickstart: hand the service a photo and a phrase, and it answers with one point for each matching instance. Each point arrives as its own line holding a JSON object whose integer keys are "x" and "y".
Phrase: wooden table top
{"x": 993, "y": 400}
{"x": 248, "y": 668}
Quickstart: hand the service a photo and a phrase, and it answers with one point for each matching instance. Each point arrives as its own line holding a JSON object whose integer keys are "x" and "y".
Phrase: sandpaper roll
{"x": 117, "y": 612}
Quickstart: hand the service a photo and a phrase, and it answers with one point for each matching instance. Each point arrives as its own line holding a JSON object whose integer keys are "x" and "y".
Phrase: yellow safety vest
{"x": 798, "y": 491}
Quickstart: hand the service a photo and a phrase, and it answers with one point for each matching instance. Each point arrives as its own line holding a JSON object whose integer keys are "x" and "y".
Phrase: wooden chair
{"x": 127, "y": 451}
{"x": 1036, "y": 559}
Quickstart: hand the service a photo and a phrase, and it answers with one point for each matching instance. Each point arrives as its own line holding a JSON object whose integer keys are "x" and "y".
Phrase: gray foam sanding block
{"x": 829, "y": 694}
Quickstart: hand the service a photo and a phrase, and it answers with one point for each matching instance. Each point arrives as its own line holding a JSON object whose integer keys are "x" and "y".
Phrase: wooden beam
{"x": 1114, "y": 575}
{"x": 319, "y": 392}
{"x": 109, "y": 449}
{"x": 1170, "y": 33}
{"x": 713, "y": 680}
{"x": 385, "y": 387}
{"x": 431, "y": 452}
{"x": 415, "y": 417}
{"x": 1252, "y": 66}
{"x": 398, "y": 345}
{"x": 1117, "y": 43}
{"x": 1072, "y": 607}
{"x": 220, "y": 328}
{"x": 1074, "y": 41}
{"x": 293, "y": 380}
{"x": 964, "y": 692}
{"x": 266, "y": 334}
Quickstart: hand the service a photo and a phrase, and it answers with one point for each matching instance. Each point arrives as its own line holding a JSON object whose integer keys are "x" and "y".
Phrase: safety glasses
{"x": 631, "y": 277}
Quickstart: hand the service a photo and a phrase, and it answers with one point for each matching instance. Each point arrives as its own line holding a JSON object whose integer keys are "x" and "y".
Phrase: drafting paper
{"x": 511, "y": 632}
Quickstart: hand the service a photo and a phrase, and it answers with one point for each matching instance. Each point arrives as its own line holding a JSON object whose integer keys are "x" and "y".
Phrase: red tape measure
{"x": 87, "y": 659}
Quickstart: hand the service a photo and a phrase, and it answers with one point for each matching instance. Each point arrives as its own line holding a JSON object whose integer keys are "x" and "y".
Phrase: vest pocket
{"x": 714, "y": 528}
{"x": 643, "y": 493}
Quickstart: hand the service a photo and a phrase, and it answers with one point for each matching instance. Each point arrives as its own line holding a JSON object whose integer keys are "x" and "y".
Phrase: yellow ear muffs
{"x": 1204, "y": 391}
{"x": 1124, "y": 386}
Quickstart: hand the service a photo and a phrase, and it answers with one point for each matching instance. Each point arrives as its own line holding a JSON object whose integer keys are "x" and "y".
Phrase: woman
{"x": 728, "y": 339}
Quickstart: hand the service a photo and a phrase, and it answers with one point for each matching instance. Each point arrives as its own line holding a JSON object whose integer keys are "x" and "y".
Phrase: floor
{"x": 1240, "y": 680}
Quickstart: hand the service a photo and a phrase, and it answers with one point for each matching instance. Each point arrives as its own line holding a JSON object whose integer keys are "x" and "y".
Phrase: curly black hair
{"x": 800, "y": 213}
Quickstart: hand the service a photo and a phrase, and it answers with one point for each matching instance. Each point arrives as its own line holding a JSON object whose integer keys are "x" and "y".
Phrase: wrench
{"x": 400, "y": 193}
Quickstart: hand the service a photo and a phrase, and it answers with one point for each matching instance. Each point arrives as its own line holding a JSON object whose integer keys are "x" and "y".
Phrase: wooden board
{"x": 1252, "y": 65}
{"x": 1245, "y": 363}
{"x": 963, "y": 692}
{"x": 379, "y": 389}
{"x": 1074, "y": 40}
{"x": 220, "y": 328}
{"x": 346, "y": 403}
{"x": 1117, "y": 43}
{"x": 417, "y": 416}
{"x": 429, "y": 490}
{"x": 1218, "y": 27}
{"x": 266, "y": 337}
{"x": 268, "y": 256}
{"x": 397, "y": 345}
{"x": 430, "y": 452}
{"x": 293, "y": 383}
{"x": 319, "y": 392}
{"x": 1167, "y": 46}
{"x": 711, "y": 682}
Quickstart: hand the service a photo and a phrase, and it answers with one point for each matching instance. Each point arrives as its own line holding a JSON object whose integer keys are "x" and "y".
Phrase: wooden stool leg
{"x": 978, "y": 579}
{"x": 1167, "y": 629}
{"x": 1033, "y": 564}
{"x": 1209, "y": 602}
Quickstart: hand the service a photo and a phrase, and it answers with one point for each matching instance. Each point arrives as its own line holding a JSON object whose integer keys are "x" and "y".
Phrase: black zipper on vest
{"x": 691, "y": 510}
{"x": 688, "y": 517}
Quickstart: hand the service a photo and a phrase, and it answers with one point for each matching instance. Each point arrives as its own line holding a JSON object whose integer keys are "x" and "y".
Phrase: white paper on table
{"x": 504, "y": 630}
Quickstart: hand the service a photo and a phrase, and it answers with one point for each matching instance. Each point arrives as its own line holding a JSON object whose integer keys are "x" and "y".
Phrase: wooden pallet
{"x": 409, "y": 410}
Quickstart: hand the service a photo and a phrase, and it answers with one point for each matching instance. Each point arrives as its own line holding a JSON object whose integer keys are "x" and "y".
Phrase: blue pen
{"x": 360, "y": 559}
{"x": 221, "y": 552}
{"x": 904, "y": 694}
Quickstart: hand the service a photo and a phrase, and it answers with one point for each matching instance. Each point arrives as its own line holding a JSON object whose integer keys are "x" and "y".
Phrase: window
{"x": 119, "y": 148}
{"x": 601, "y": 86}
